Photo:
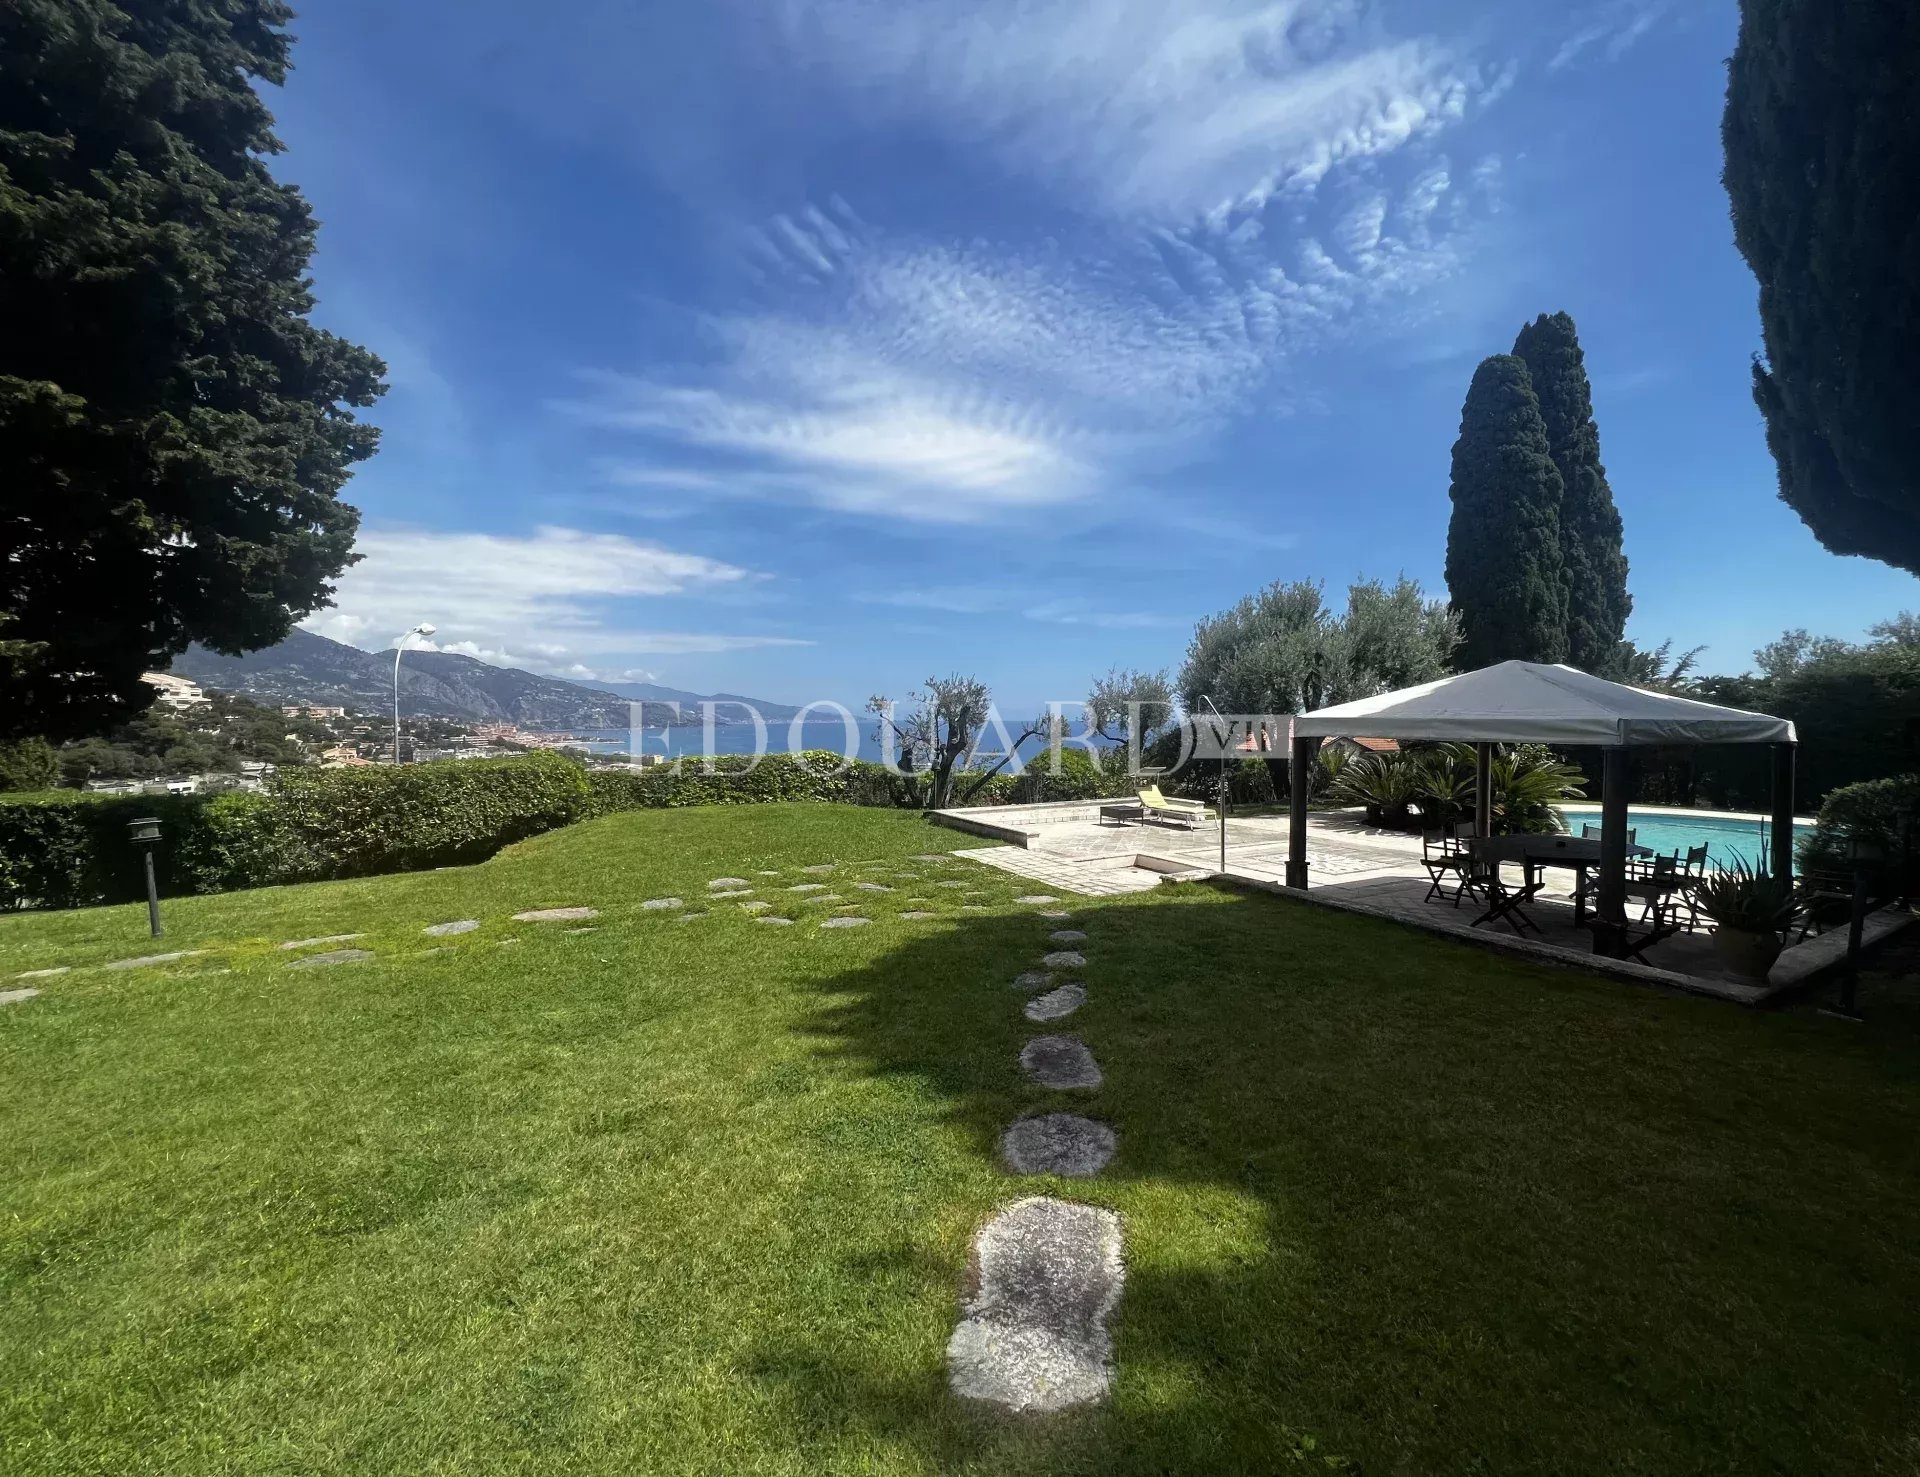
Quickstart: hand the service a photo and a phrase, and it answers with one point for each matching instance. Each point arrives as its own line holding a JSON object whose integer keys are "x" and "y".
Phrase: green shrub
{"x": 67, "y": 850}
{"x": 451, "y": 812}
{"x": 1882, "y": 815}
{"x": 734, "y": 779}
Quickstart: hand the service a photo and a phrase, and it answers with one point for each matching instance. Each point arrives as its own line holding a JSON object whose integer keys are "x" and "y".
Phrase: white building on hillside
{"x": 176, "y": 692}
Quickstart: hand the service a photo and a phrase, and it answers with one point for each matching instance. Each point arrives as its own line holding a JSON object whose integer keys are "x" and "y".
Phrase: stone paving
{"x": 14, "y": 997}
{"x": 330, "y": 958}
{"x": 445, "y": 930}
{"x": 556, "y": 915}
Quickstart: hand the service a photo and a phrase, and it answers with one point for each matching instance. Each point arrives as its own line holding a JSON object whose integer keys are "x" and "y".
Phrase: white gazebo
{"x": 1526, "y": 702}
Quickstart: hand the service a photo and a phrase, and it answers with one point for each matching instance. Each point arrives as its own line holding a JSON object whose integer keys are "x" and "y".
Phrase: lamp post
{"x": 145, "y": 833}
{"x": 1223, "y": 781}
{"x": 399, "y": 648}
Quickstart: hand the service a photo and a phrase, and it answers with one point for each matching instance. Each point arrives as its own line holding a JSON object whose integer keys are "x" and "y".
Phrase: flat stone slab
{"x": 950, "y": 884}
{"x": 1056, "y": 1005}
{"x": 656, "y": 904}
{"x": 768, "y": 873}
{"x": 733, "y": 892}
{"x": 44, "y": 974}
{"x": 1060, "y": 1062}
{"x": 1067, "y": 936}
{"x": 1033, "y": 979}
{"x": 556, "y": 915}
{"x": 444, "y": 930}
{"x": 873, "y": 887}
{"x": 735, "y": 881}
{"x": 776, "y": 921}
{"x": 145, "y": 959}
{"x": 1058, "y": 1143}
{"x": 846, "y": 923}
{"x": 819, "y": 869}
{"x": 918, "y": 914}
{"x": 332, "y": 938}
{"x": 688, "y": 917}
{"x": 1056, "y": 916}
{"x": 1046, "y": 1276}
{"x": 1037, "y": 898}
{"x": 756, "y": 907}
{"x": 808, "y": 887}
{"x": 1065, "y": 959}
{"x": 332, "y": 956}
{"x": 14, "y": 997}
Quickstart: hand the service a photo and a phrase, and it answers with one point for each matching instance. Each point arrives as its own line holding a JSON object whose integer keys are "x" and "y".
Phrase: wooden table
{"x": 1123, "y": 812}
{"x": 1577, "y": 853}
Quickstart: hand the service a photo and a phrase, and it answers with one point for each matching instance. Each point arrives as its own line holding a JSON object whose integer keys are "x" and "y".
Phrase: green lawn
{"x": 697, "y": 1197}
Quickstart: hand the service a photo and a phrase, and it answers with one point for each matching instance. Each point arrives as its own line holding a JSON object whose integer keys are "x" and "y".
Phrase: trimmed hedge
{"x": 64, "y": 850}
{"x": 733, "y": 779}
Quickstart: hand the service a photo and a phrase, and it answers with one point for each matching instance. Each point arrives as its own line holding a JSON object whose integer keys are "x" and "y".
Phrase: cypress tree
{"x": 1822, "y": 135}
{"x": 174, "y": 431}
{"x": 1505, "y": 571}
{"x": 1597, "y": 599}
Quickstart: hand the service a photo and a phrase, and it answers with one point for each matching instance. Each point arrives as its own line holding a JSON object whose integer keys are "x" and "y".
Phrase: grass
{"x": 697, "y": 1197}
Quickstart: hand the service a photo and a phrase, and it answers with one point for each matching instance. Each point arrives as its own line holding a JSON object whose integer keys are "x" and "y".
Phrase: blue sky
{"x": 809, "y": 347}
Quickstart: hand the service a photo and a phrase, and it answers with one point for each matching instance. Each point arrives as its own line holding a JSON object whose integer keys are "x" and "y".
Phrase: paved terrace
{"x": 1354, "y": 867}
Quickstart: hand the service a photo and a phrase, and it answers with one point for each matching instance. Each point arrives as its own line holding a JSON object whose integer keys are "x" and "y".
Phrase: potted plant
{"x": 1751, "y": 912}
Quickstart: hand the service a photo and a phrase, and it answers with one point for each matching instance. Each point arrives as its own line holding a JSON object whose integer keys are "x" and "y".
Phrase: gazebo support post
{"x": 1306, "y": 752}
{"x": 1483, "y": 790}
{"x": 1610, "y": 921}
{"x": 1782, "y": 840}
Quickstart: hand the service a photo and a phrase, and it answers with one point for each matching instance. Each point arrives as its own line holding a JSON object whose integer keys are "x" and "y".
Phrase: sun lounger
{"x": 1188, "y": 813}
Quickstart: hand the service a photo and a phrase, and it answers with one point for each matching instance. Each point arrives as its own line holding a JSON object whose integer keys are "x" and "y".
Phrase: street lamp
{"x": 145, "y": 833}
{"x": 399, "y": 648}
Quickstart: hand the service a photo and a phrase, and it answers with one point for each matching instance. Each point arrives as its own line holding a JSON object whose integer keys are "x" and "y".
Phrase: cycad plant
{"x": 1386, "y": 784}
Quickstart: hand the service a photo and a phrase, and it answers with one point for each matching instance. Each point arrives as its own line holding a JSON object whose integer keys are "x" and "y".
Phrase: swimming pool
{"x": 1727, "y": 837}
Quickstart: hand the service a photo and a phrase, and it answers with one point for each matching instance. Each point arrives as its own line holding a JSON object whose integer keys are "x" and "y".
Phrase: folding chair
{"x": 1443, "y": 858}
{"x": 1504, "y": 903}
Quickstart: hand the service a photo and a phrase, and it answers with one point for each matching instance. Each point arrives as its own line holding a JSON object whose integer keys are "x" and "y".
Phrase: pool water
{"x": 1727, "y": 840}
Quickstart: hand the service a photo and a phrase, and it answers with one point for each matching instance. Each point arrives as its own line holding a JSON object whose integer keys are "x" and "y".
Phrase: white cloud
{"x": 1611, "y": 31}
{"x": 543, "y": 601}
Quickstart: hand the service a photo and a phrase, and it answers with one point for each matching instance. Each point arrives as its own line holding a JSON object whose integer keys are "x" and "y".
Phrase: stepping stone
{"x": 443, "y": 930}
{"x": 734, "y": 892}
{"x": 656, "y": 904}
{"x": 145, "y": 959}
{"x": 777, "y": 921}
{"x": 1033, "y": 979}
{"x": 44, "y": 974}
{"x": 1037, "y": 898}
{"x": 917, "y": 914}
{"x": 973, "y": 907}
{"x": 1058, "y": 1143}
{"x": 873, "y": 887}
{"x": 689, "y": 917}
{"x": 590, "y": 928}
{"x": 332, "y": 938}
{"x": 1056, "y": 916}
{"x": 756, "y": 907}
{"x": 808, "y": 887}
{"x": 846, "y": 923}
{"x": 1033, "y": 1330}
{"x": 1056, "y": 1005}
{"x": 949, "y": 884}
{"x": 735, "y": 881}
{"x": 1060, "y": 1062}
{"x": 820, "y": 870}
{"x": 504, "y": 942}
{"x": 14, "y": 997}
{"x": 828, "y": 898}
{"x": 331, "y": 957}
{"x": 1065, "y": 959}
{"x": 767, "y": 874}
{"x": 1067, "y": 936}
{"x": 556, "y": 915}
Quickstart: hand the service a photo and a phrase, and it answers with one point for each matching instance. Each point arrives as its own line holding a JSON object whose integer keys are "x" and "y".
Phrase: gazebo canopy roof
{"x": 1527, "y": 702}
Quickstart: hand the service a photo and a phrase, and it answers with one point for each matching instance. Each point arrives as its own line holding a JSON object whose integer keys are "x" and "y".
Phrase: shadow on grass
{"x": 1446, "y": 1211}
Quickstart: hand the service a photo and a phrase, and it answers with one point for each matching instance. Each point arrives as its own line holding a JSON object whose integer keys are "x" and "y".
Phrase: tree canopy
{"x": 1505, "y": 567}
{"x": 1822, "y": 135}
{"x": 1590, "y": 532}
{"x": 175, "y": 432}
{"x": 1285, "y": 650}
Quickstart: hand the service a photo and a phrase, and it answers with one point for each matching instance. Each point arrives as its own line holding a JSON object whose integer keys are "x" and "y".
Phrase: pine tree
{"x": 173, "y": 430}
{"x": 1822, "y": 133}
{"x": 1590, "y": 534}
{"x": 1505, "y": 572}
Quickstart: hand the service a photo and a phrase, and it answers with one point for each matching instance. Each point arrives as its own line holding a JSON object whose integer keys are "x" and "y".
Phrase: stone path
{"x": 332, "y": 938}
{"x": 808, "y": 887}
{"x": 917, "y": 914}
{"x": 1056, "y": 1005}
{"x": 14, "y": 997}
{"x": 45, "y": 974}
{"x": 556, "y": 915}
{"x": 873, "y": 887}
{"x": 656, "y": 904}
{"x": 736, "y": 881}
{"x": 846, "y": 923}
{"x": 146, "y": 959}
{"x": 755, "y": 907}
{"x": 774, "y": 919}
{"x": 1033, "y": 1335}
{"x": 1037, "y": 898}
{"x": 1060, "y": 1062}
{"x": 446, "y": 930}
{"x": 331, "y": 957}
{"x": 1033, "y": 1332}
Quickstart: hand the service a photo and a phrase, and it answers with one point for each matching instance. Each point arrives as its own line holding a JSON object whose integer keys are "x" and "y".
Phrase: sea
{"x": 863, "y": 742}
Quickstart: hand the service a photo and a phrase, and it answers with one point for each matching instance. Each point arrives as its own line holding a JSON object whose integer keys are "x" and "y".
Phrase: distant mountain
{"x": 306, "y": 668}
{"x": 729, "y": 707}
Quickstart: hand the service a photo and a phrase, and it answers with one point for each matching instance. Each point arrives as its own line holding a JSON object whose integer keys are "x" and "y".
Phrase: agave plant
{"x": 1746, "y": 900}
